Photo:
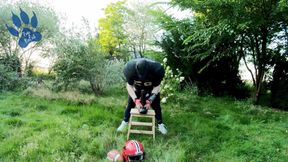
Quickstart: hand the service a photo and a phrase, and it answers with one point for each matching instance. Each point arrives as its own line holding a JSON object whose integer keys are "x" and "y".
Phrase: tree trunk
{"x": 262, "y": 60}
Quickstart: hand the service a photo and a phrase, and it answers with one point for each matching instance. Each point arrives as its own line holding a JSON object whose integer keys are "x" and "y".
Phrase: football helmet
{"x": 133, "y": 151}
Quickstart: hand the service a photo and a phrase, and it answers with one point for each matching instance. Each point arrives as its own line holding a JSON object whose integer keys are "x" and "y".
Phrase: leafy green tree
{"x": 78, "y": 60}
{"x": 251, "y": 25}
{"x": 82, "y": 60}
{"x": 279, "y": 88}
{"x": 140, "y": 26}
{"x": 112, "y": 38}
{"x": 9, "y": 79}
{"x": 279, "y": 85}
{"x": 197, "y": 61}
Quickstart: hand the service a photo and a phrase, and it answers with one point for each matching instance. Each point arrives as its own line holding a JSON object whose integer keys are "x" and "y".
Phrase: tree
{"x": 198, "y": 65}
{"x": 82, "y": 60}
{"x": 140, "y": 26}
{"x": 279, "y": 88}
{"x": 78, "y": 60}
{"x": 112, "y": 38}
{"x": 251, "y": 24}
{"x": 48, "y": 27}
{"x": 279, "y": 85}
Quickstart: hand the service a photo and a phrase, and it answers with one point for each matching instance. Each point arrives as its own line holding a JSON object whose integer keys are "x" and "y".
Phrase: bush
{"x": 113, "y": 74}
{"x": 170, "y": 83}
{"x": 80, "y": 61}
{"x": 9, "y": 79}
{"x": 279, "y": 86}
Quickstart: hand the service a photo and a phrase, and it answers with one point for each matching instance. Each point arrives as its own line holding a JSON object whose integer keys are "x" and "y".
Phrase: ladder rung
{"x": 136, "y": 112}
{"x": 142, "y": 123}
{"x": 141, "y": 131}
{"x": 144, "y": 116}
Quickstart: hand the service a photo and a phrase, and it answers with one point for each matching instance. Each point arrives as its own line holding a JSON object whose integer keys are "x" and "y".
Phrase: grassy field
{"x": 35, "y": 128}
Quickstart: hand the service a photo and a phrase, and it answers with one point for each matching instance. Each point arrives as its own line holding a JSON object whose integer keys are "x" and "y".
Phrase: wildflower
{"x": 165, "y": 60}
{"x": 181, "y": 79}
{"x": 164, "y": 100}
{"x": 166, "y": 86}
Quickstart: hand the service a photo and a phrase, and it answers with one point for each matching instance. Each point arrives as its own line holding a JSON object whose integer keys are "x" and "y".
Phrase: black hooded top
{"x": 151, "y": 76}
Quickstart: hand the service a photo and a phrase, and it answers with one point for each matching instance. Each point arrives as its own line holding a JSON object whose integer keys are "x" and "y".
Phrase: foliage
{"x": 279, "y": 85}
{"x": 171, "y": 82}
{"x": 199, "y": 66}
{"x": 128, "y": 29}
{"x": 10, "y": 76}
{"x": 9, "y": 79}
{"x": 155, "y": 55}
{"x": 140, "y": 27}
{"x": 79, "y": 61}
{"x": 112, "y": 38}
{"x": 199, "y": 129}
{"x": 113, "y": 74}
{"x": 249, "y": 26}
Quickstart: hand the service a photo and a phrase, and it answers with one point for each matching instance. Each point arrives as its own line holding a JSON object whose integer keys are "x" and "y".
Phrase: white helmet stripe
{"x": 138, "y": 150}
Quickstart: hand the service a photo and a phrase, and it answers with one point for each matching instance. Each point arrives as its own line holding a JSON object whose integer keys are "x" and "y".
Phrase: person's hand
{"x": 138, "y": 104}
{"x": 148, "y": 104}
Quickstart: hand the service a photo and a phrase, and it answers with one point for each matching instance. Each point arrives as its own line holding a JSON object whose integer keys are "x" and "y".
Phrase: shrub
{"x": 113, "y": 74}
{"x": 279, "y": 86}
{"x": 81, "y": 61}
{"x": 9, "y": 79}
{"x": 171, "y": 82}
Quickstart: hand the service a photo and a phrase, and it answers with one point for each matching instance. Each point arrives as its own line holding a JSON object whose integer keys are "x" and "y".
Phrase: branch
{"x": 250, "y": 71}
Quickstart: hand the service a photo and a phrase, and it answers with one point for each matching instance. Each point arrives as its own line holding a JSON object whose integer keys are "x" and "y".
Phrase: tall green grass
{"x": 37, "y": 127}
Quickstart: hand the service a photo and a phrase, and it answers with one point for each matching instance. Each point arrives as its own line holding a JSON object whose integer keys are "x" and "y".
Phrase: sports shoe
{"x": 122, "y": 126}
{"x": 162, "y": 129}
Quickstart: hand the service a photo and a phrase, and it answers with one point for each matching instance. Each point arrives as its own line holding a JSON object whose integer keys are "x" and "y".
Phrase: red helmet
{"x": 133, "y": 151}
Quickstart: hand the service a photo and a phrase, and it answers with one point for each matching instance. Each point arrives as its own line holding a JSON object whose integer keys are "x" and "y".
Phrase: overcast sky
{"x": 75, "y": 10}
{"x": 71, "y": 12}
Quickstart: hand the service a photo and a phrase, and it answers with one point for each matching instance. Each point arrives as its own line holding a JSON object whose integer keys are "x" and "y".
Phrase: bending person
{"x": 143, "y": 74}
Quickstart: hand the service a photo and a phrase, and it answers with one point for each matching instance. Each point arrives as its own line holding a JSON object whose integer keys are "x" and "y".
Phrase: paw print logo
{"x": 24, "y": 29}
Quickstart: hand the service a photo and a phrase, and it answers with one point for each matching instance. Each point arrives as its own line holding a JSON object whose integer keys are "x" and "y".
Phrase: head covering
{"x": 142, "y": 68}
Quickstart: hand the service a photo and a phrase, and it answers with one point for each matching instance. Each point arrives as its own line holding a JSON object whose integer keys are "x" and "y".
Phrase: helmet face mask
{"x": 136, "y": 158}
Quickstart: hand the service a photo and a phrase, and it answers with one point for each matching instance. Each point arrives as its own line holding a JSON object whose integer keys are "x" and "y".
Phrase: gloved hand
{"x": 148, "y": 104}
{"x": 138, "y": 104}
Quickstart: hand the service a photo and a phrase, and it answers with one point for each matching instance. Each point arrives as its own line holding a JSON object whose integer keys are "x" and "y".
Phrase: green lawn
{"x": 199, "y": 129}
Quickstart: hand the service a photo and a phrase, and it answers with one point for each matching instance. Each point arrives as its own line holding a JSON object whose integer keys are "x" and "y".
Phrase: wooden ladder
{"x": 135, "y": 113}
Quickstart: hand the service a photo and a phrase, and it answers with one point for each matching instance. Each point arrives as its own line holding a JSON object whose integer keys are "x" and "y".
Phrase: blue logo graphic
{"x": 25, "y": 31}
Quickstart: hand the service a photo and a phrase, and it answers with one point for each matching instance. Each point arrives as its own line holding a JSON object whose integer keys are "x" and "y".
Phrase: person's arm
{"x": 131, "y": 92}
{"x": 156, "y": 90}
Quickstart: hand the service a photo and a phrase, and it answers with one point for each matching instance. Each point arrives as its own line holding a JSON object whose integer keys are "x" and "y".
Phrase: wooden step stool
{"x": 135, "y": 113}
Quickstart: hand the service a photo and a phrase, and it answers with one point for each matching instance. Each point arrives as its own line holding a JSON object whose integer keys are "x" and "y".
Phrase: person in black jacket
{"x": 143, "y": 74}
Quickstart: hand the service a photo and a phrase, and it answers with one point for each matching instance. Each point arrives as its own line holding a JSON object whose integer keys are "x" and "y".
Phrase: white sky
{"x": 72, "y": 11}
{"x": 71, "y": 14}
{"x": 75, "y": 10}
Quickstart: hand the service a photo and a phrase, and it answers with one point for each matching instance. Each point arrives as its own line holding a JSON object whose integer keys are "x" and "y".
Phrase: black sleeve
{"x": 128, "y": 72}
{"x": 159, "y": 74}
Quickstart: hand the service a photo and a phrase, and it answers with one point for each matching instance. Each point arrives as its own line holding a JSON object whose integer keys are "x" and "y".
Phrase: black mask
{"x": 142, "y": 68}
